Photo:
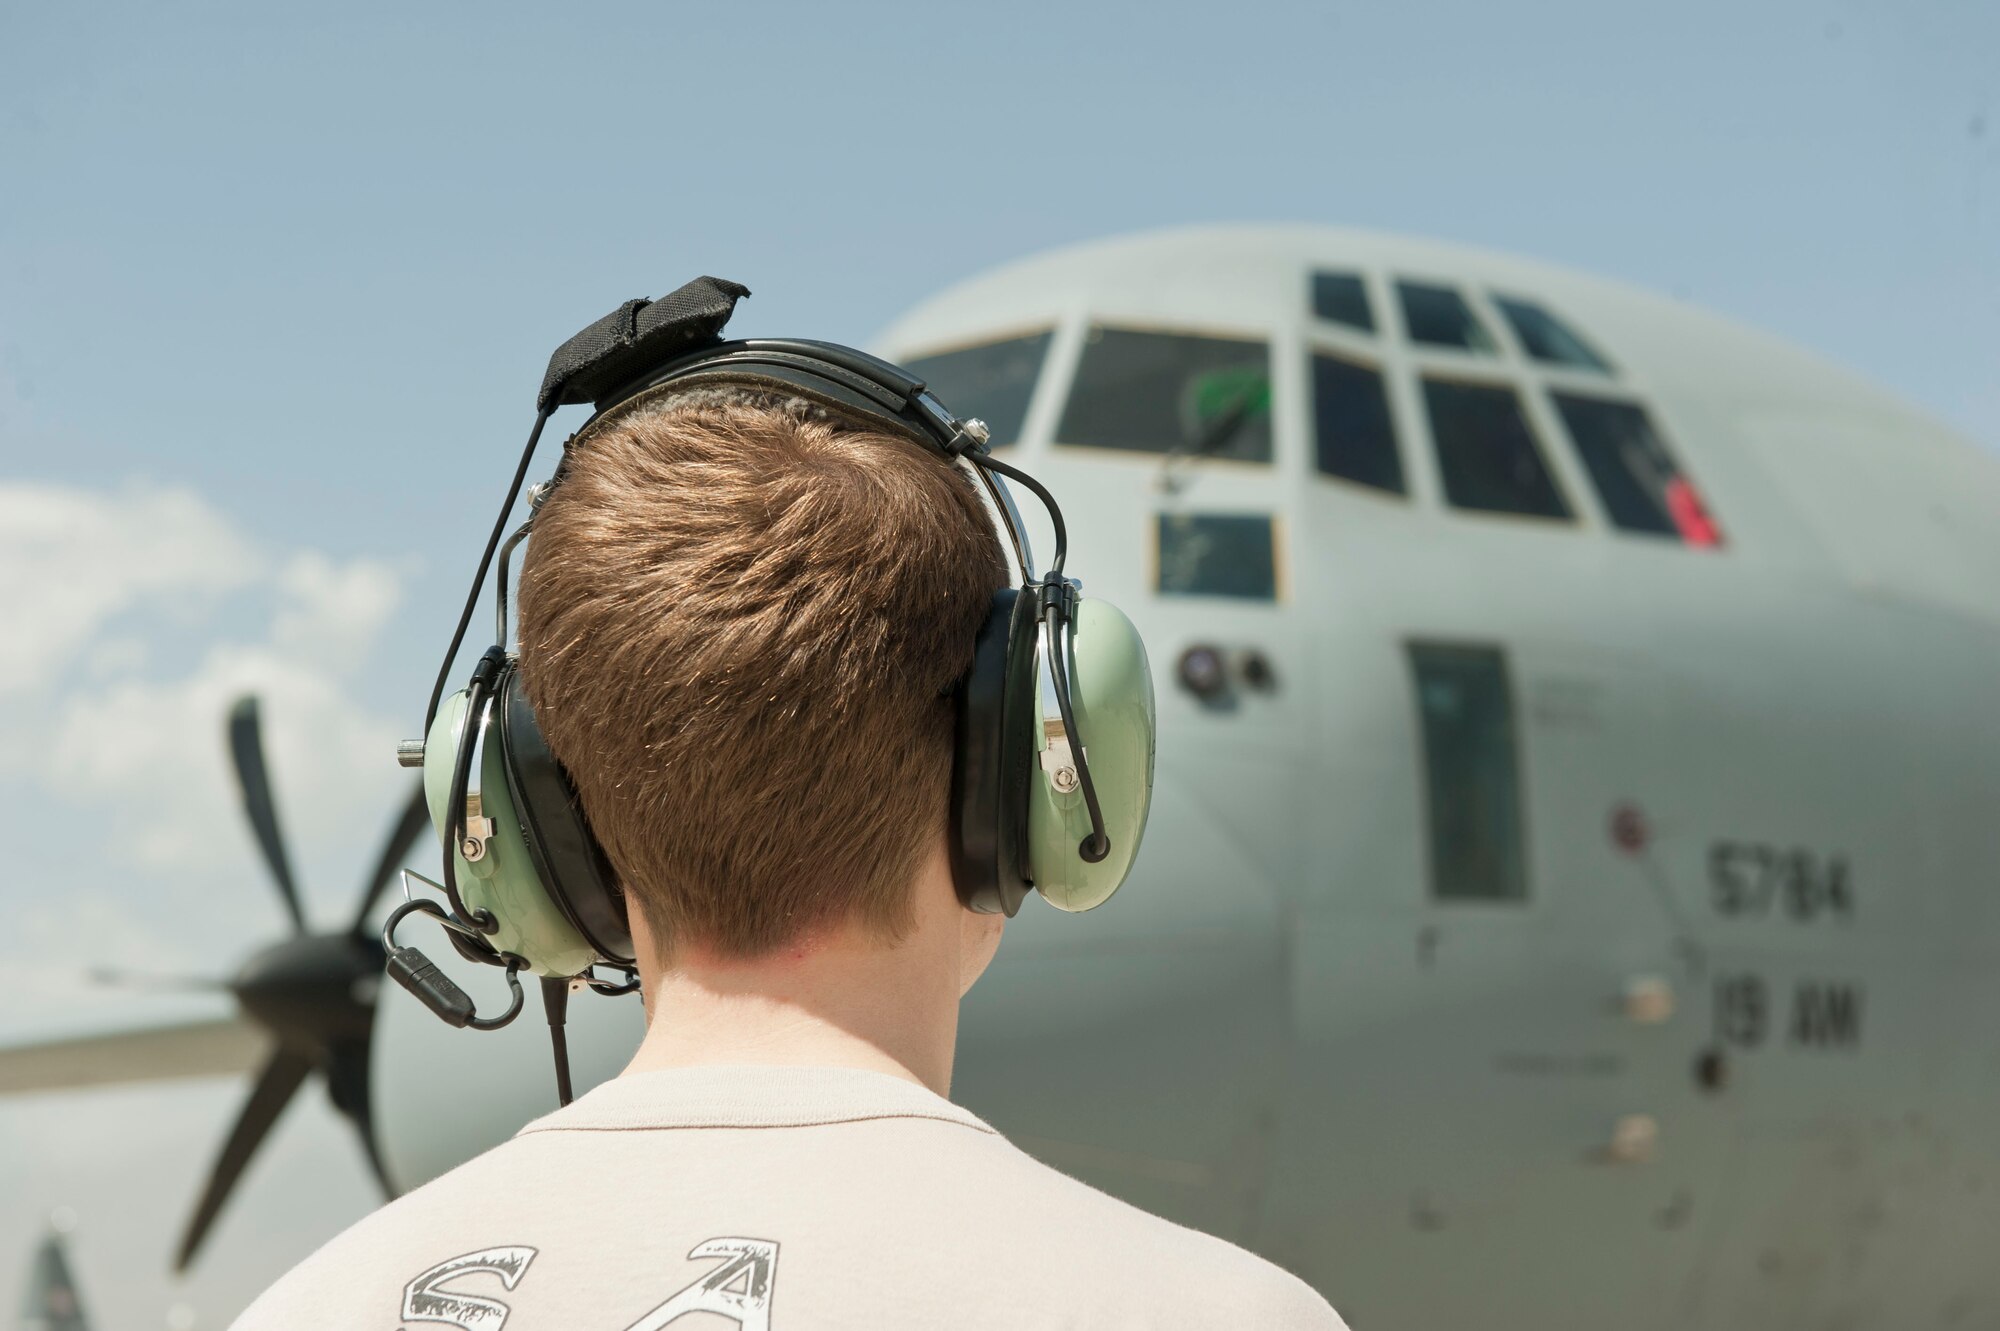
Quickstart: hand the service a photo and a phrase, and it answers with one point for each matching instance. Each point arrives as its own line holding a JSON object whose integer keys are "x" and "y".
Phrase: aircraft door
{"x": 1495, "y": 948}
{"x": 1621, "y": 1065}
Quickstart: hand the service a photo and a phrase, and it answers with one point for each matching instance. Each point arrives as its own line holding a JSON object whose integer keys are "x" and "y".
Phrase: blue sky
{"x": 277, "y": 284}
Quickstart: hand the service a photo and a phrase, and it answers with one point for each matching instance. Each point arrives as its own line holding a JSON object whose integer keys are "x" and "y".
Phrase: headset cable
{"x": 555, "y": 1003}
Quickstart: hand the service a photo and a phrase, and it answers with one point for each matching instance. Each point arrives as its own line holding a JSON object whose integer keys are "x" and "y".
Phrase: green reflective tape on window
{"x": 1144, "y": 392}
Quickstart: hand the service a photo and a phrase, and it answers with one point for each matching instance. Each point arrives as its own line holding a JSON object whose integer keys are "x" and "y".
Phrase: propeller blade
{"x": 229, "y": 1046}
{"x": 273, "y": 1091}
{"x": 347, "y": 1084}
{"x": 416, "y": 816}
{"x": 199, "y": 984}
{"x": 246, "y": 747}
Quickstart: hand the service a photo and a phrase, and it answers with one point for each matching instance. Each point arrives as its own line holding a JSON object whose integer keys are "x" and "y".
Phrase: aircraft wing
{"x": 212, "y": 1048}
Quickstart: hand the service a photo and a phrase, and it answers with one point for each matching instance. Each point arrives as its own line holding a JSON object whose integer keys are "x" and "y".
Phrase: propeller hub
{"x": 311, "y": 991}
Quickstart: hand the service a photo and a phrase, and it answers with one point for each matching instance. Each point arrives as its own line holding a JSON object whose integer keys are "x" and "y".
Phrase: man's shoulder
{"x": 940, "y": 1201}
{"x": 375, "y": 1250}
{"x": 1131, "y": 1251}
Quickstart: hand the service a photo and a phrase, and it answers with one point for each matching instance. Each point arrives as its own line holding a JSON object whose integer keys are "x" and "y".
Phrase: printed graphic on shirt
{"x": 739, "y": 1289}
{"x": 426, "y": 1300}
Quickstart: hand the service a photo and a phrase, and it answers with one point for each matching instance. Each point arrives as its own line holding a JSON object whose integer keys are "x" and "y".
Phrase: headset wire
{"x": 1058, "y": 595}
{"x": 555, "y": 1005}
{"x": 1040, "y": 491}
{"x": 485, "y": 562}
{"x": 1097, "y": 845}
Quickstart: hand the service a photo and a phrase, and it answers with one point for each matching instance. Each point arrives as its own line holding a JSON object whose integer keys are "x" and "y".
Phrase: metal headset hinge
{"x": 489, "y": 665}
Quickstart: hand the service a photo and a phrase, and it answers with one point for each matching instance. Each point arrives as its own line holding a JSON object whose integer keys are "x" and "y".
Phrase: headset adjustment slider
{"x": 478, "y": 831}
{"x": 1057, "y": 760}
{"x": 972, "y": 435}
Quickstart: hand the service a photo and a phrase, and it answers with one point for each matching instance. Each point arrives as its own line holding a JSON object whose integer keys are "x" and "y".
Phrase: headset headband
{"x": 646, "y": 347}
{"x": 1014, "y": 823}
{"x": 862, "y": 390}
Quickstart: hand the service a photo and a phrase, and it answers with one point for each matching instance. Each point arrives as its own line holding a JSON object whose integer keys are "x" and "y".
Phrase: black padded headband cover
{"x": 785, "y": 369}
{"x": 640, "y": 333}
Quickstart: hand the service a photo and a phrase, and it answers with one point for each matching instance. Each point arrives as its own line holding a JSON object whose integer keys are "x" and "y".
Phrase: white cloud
{"x": 129, "y": 620}
{"x": 71, "y": 560}
{"x": 50, "y": 975}
{"x": 114, "y": 705}
{"x": 151, "y": 752}
{"x": 333, "y": 612}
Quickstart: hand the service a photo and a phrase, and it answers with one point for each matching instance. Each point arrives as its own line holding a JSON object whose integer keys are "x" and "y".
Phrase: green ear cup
{"x": 502, "y": 880}
{"x": 1113, "y": 702}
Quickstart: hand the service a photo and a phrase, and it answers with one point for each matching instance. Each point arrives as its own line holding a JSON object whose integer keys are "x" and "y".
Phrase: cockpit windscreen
{"x": 1154, "y": 392}
{"x": 993, "y": 381}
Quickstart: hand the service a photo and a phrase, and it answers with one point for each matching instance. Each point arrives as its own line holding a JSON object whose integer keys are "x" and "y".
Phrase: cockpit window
{"x": 1472, "y": 779}
{"x": 1642, "y": 487}
{"x": 1341, "y": 298}
{"x": 992, "y": 381}
{"x": 1353, "y": 435}
{"x": 1218, "y": 554}
{"x": 1547, "y": 338}
{"x": 1486, "y": 452}
{"x": 1153, "y": 392}
{"x": 1439, "y": 317}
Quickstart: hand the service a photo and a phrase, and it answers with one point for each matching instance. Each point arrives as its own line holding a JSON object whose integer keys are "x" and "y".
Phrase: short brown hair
{"x": 742, "y": 620}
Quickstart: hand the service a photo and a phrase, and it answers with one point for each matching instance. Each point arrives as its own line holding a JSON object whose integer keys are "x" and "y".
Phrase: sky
{"x": 277, "y": 284}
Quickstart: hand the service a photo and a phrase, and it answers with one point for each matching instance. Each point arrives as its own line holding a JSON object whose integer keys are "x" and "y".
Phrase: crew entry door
{"x": 1561, "y": 949}
{"x": 1528, "y": 1129}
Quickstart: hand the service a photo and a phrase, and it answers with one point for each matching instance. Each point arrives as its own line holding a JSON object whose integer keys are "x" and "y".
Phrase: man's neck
{"x": 844, "y": 999}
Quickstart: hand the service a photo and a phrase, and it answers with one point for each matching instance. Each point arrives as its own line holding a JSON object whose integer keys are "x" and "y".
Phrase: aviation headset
{"x": 528, "y": 884}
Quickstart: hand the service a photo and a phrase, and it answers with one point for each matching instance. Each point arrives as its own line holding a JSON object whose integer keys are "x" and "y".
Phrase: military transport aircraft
{"x": 1571, "y": 893}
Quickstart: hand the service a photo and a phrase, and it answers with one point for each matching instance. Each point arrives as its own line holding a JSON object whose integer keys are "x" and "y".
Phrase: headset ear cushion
{"x": 567, "y": 857}
{"x": 992, "y": 762}
{"x": 502, "y": 879}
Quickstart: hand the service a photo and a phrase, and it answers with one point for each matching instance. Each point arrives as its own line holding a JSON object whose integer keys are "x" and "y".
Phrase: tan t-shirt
{"x": 773, "y": 1199}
